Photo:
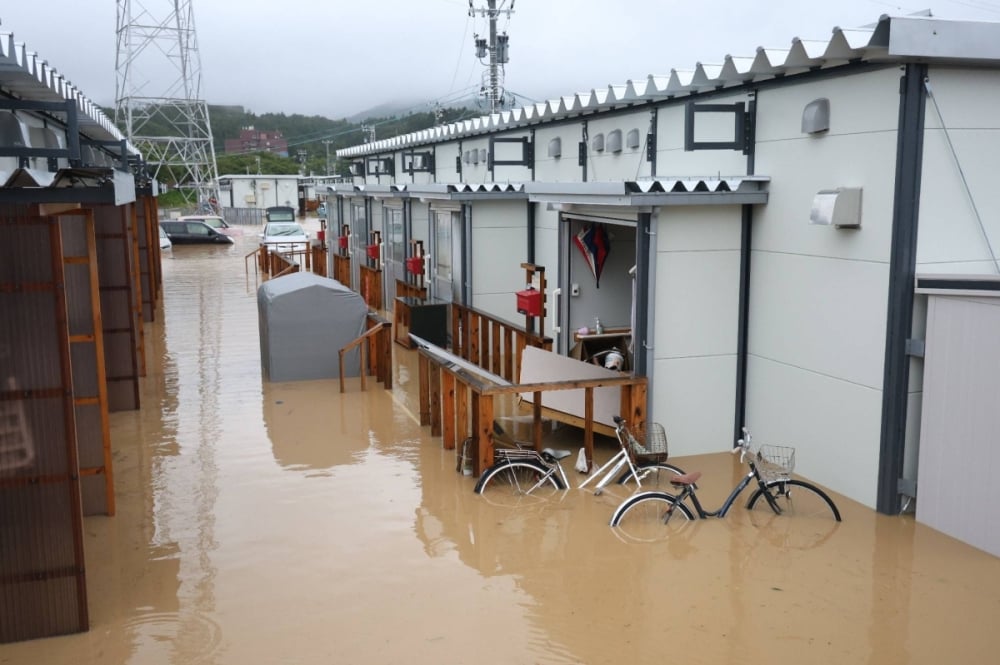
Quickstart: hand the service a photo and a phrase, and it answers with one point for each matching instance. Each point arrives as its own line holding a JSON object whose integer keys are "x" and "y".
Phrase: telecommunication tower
{"x": 495, "y": 49}
{"x": 158, "y": 93}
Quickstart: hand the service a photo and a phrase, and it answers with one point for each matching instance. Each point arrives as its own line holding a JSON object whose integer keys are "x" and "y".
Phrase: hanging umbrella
{"x": 594, "y": 244}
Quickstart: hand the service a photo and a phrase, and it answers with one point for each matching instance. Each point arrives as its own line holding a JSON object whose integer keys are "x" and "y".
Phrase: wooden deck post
{"x": 483, "y": 422}
{"x": 435, "y": 391}
{"x": 448, "y": 408}
{"x": 425, "y": 395}
{"x": 462, "y": 410}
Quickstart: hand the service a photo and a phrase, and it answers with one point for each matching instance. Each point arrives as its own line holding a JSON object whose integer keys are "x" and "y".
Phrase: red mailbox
{"x": 342, "y": 242}
{"x": 372, "y": 251}
{"x": 415, "y": 265}
{"x": 529, "y": 302}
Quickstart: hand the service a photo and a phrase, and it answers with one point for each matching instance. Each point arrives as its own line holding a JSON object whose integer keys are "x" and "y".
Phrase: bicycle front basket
{"x": 775, "y": 462}
{"x": 652, "y": 447}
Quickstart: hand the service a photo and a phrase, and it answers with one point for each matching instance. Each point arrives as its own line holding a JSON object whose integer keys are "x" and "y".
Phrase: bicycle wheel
{"x": 513, "y": 483}
{"x": 643, "y": 517}
{"x": 795, "y": 498}
{"x": 653, "y": 476}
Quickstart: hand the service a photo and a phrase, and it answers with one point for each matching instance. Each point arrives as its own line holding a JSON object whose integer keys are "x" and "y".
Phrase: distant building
{"x": 253, "y": 140}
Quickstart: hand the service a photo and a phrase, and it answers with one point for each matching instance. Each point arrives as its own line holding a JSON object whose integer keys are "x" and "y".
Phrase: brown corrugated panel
{"x": 87, "y": 355}
{"x": 114, "y": 258}
{"x": 42, "y": 575}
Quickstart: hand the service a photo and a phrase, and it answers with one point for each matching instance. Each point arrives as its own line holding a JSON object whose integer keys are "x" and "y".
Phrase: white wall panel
{"x": 444, "y": 162}
{"x": 862, "y": 103}
{"x": 697, "y": 303}
{"x": 499, "y": 243}
{"x": 825, "y": 316}
{"x": 833, "y": 424}
{"x": 420, "y": 223}
{"x": 819, "y": 294}
{"x": 959, "y": 458}
{"x": 961, "y": 163}
{"x": 478, "y": 172}
{"x": 628, "y": 164}
{"x": 567, "y": 167}
{"x": 799, "y": 169}
{"x": 693, "y": 400}
{"x": 695, "y": 326}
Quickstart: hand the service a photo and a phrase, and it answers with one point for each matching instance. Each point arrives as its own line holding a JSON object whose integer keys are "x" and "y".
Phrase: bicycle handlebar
{"x": 743, "y": 444}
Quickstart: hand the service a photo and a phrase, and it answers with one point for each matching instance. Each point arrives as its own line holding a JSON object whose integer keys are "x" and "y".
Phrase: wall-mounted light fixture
{"x": 597, "y": 143}
{"x": 840, "y": 207}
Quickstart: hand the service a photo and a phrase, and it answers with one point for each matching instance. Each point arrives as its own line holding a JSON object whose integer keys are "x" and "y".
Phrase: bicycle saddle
{"x": 556, "y": 454}
{"x": 686, "y": 479}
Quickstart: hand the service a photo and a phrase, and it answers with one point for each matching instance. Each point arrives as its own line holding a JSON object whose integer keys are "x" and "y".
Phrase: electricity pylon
{"x": 158, "y": 93}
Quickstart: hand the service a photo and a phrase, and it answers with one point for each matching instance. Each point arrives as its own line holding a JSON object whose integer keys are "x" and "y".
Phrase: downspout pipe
{"x": 902, "y": 273}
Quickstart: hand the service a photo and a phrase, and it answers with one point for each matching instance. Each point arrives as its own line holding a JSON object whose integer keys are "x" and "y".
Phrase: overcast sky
{"x": 336, "y": 58}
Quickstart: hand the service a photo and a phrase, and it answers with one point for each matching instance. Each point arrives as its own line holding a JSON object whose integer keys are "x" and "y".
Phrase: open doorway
{"x": 597, "y": 257}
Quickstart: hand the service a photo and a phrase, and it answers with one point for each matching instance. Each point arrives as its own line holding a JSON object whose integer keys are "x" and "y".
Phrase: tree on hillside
{"x": 257, "y": 162}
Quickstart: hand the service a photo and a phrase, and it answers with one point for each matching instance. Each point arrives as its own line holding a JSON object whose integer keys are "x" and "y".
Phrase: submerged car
{"x": 193, "y": 231}
{"x": 279, "y": 214}
{"x": 164, "y": 240}
{"x": 284, "y": 236}
{"x": 214, "y": 221}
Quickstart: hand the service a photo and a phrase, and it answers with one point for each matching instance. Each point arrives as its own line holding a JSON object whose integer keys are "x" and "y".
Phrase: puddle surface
{"x": 288, "y": 523}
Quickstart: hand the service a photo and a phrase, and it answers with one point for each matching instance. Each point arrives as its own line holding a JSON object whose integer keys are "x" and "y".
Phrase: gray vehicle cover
{"x": 304, "y": 321}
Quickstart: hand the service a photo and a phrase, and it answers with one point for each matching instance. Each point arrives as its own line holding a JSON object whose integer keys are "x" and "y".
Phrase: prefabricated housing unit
{"x": 769, "y": 221}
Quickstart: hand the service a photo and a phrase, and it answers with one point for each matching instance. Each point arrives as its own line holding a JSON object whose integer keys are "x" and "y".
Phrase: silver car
{"x": 284, "y": 237}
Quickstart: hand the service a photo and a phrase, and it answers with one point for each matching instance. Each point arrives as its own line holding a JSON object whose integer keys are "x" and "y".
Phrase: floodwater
{"x": 289, "y": 523}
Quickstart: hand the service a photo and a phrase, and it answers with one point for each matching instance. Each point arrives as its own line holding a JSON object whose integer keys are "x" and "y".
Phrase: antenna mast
{"x": 158, "y": 94}
{"x": 496, "y": 49}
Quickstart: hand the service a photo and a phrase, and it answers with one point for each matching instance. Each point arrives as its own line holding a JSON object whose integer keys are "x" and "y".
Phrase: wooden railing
{"x": 342, "y": 269}
{"x": 274, "y": 264}
{"x": 458, "y": 402}
{"x": 318, "y": 260}
{"x": 406, "y": 290}
{"x": 491, "y": 343}
{"x": 371, "y": 287}
{"x": 376, "y": 353}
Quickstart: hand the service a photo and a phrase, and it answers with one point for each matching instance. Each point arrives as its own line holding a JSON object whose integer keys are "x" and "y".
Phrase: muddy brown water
{"x": 289, "y": 523}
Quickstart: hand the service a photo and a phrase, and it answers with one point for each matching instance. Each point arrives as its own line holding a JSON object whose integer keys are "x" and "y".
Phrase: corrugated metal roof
{"x": 27, "y": 76}
{"x": 654, "y": 191}
{"x": 910, "y": 37}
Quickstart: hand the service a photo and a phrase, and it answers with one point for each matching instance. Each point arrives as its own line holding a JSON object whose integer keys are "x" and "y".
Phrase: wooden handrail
{"x": 437, "y": 369}
{"x": 490, "y": 342}
{"x": 379, "y": 327}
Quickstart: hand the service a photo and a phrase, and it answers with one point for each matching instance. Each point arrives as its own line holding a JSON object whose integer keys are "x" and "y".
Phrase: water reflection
{"x": 309, "y": 426}
{"x": 289, "y": 523}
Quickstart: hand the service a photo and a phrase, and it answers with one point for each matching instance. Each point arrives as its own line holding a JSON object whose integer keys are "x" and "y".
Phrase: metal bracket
{"x": 915, "y": 348}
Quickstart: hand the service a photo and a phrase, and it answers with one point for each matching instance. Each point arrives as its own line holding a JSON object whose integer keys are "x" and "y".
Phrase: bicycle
{"x": 520, "y": 471}
{"x": 770, "y": 466}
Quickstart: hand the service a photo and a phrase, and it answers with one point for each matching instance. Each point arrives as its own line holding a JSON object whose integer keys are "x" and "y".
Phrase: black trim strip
{"x": 743, "y": 324}
{"x": 642, "y": 293}
{"x": 986, "y": 286}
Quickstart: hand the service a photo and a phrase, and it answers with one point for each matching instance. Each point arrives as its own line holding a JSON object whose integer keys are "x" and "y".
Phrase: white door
{"x": 395, "y": 253}
{"x": 446, "y": 255}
